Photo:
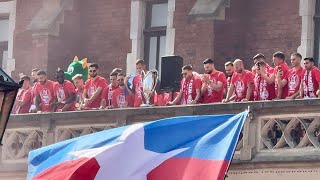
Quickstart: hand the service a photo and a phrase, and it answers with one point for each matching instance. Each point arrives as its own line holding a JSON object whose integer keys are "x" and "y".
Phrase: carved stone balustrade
{"x": 276, "y": 133}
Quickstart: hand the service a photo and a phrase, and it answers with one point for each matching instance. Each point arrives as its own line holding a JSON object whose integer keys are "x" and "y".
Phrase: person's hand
{"x": 170, "y": 103}
{"x": 86, "y": 102}
{"x": 205, "y": 79}
{"x": 290, "y": 97}
{"x": 101, "y": 107}
{"x": 318, "y": 92}
{"x": 194, "y": 102}
{"x": 224, "y": 101}
{"x": 244, "y": 100}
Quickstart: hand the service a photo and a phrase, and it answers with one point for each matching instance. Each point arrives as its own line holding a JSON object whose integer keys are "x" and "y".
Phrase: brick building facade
{"x": 47, "y": 34}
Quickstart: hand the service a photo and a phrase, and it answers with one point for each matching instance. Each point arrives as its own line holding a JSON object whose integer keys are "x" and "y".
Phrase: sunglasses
{"x": 93, "y": 71}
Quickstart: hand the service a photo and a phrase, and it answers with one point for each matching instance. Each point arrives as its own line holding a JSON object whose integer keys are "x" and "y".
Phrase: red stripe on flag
{"x": 79, "y": 169}
{"x": 189, "y": 169}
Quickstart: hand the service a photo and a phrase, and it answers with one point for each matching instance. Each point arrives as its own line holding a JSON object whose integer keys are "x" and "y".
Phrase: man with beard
{"x": 190, "y": 91}
{"x": 241, "y": 83}
{"x": 93, "y": 88}
{"x": 64, "y": 92}
{"x": 311, "y": 80}
{"x": 108, "y": 91}
{"x": 120, "y": 96}
{"x": 44, "y": 93}
{"x": 213, "y": 83}
{"x": 34, "y": 78}
{"x": 229, "y": 69}
{"x": 294, "y": 77}
{"x": 23, "y": 101}
{"x": 262, "y": 90}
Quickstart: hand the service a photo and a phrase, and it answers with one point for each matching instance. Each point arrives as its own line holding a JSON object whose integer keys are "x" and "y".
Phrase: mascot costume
{"x": 77, "y": 67}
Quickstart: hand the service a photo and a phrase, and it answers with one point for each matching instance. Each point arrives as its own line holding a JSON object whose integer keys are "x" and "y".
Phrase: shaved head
{"x": 238, "y": 65}
{"x": 238, "y": 62}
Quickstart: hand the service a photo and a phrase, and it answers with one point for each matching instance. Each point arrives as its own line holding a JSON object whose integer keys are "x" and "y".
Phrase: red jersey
{"x": 91, "y": 86}
{"x": 262, "y": 90}
{"x": 23, "y": 95}
{"x": 137, "y": 87}
{"x": 285, "y": 71}
{"x": 121, "y": 98}
{"x": 294, "y": 78}
{"x": 240, "y": 82}
{"x": 79, "y": 93}
{"x": 211, "y": 96}
{"x": 62, "y": 92}
{"x": 107, "y": 93}
{"x": 188, "y": 88}
{"x": 162, "y": 99}
{"x": 310, "y": 82}
{"x": 46, "y": 93}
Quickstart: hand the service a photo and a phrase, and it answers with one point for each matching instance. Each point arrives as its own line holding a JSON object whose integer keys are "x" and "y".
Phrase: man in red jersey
{"x": 280, "y": 72}
{"x": 23, "y": 101}
{"x": 190, "y": 91}
{"x": 261, "y": 58}
{"x": 108, "y": 91}
{"x": 213, "y": 83}
{"x": 229, "y": 69}
{"x": 34, "y": 78}
{"x": 262, "y": 89}
{"x": 120, "y": 96}
{"x": 79, "y": 84}
{"x": 136, "y": 90}
{"x": 44, "y": 93}
{"x": 294, "y": 77}
{"x": 64, "y": 92}
{"x": 311, "y": 80}
{"x": 93, "y": 88}
{"x": 241, "y": 83}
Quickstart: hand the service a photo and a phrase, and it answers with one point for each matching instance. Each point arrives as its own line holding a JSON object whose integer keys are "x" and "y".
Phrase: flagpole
{"x": 248, "y": 116}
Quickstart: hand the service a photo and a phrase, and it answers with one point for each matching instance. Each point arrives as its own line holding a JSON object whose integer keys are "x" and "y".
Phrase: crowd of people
{"x": 261, "y": 83}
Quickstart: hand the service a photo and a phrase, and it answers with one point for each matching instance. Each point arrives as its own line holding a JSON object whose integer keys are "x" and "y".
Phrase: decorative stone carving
{"x": 296, "y": 132}
{"x": 65, "y": 133}
{"x": 18, "y": 143}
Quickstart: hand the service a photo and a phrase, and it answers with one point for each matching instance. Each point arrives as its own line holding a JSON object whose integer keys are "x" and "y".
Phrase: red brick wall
{"x": 194, "y": 39}
{"x": 106, "y": 33}
{"x": 273, "y": 26}
{"x": 99, "y": 30}
{"x": 229, "y": 42}
{"x": 23, "y": 50}
{"x": 257, "y": 26}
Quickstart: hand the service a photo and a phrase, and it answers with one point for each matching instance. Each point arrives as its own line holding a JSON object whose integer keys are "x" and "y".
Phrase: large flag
{"x": 178, "y": 148}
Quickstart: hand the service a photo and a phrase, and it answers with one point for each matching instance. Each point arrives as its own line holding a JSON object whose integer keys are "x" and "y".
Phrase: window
{"x": 4, "y": 37}
{"x": 317, "y": 31}
{"x": 155, "y": 33}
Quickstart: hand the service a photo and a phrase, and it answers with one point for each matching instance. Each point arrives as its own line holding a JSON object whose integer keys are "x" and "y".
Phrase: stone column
{"x": 307, "y": 12}
{"x": 137, "y": 23}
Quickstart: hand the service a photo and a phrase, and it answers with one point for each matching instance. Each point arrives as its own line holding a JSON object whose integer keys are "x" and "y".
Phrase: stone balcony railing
{"x": 275, "y": 131}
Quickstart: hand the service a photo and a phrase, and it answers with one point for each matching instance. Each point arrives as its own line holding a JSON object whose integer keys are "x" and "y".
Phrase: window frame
{"x": 149, "y": 32}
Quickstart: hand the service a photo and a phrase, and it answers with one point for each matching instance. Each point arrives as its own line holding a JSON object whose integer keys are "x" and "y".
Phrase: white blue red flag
{"x": 179, "y": 148}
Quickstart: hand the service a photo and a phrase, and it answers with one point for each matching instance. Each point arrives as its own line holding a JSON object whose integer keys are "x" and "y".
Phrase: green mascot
{"x": 77, "y": 67}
